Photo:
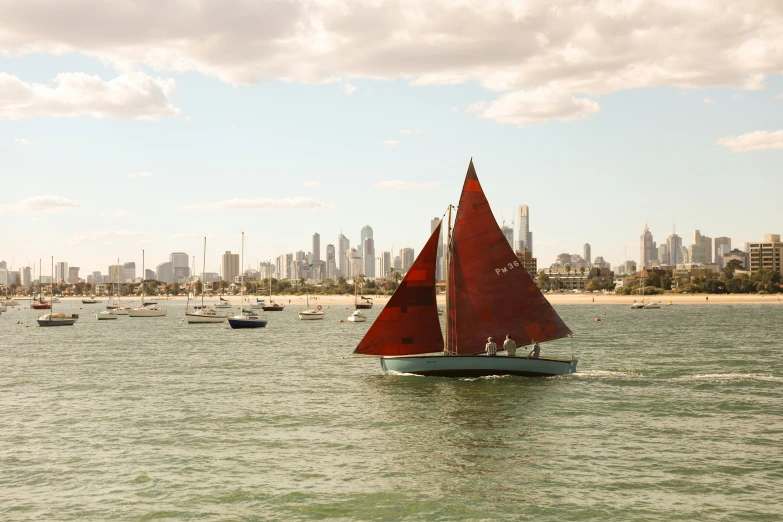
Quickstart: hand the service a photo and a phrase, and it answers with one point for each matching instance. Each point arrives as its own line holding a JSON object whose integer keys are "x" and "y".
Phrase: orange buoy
{"x": 319, "y": 307}
{"x": 597, "y": 319}
{"x": 341, "y": 321}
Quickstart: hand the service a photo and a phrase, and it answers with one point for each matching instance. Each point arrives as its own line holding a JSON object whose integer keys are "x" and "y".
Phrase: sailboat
{"x": 146, "y": 309}
{"x": 272, "y": 306}
{"x": 489, "y": 294}
{"x": 203, "y": 314}
{"x": 643, "y": 305}
{"x": 117, "y": 308}
{"x": 246, "y": 318}
{"x": 56, "y": 319}
{"x": 310, "y": 314}
{"x": 365, "y": 303}
{"x": 223, "y": 303}
{"x": 40, "y": 303}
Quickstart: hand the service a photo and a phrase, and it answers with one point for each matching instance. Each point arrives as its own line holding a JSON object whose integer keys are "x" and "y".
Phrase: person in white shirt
{"x": 510, "y": 346}
{"x": 491, "y": 348}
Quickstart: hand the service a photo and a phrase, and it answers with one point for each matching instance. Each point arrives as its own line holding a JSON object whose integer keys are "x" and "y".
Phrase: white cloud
{"x": 118, "y": 213}
{"x": 404, "y": 185}
{"x": 347, "y": 88}
{"x": 259, "y": 204}
{"x": 412, "y": 131}
{"x": 131, "y": 95}
{"x": 310, "y": 184}
{"x": 22, "y": 141}
{"x": 754, "y": 82}
{"x": 44, "y": 203}
{"x": 390, "y": 143}
{"x": 535, "y": 106}
{"x": 779, "y": 96}
{"x": 135, "y": 175}
{"x": 709, "y": 101}
{"x": 758, "y": 140}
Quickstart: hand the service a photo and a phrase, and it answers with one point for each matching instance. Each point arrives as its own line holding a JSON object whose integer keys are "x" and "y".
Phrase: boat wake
{"x": 724, "y": 378}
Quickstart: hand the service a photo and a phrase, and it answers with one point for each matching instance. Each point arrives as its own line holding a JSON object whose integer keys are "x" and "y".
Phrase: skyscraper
{"x": 509, "y": 233}
{"x": 164, "y": 272}
{"x": 316, "y": 248}
{"x": 434, "y": 222}
{"x": 674, "y": 246}
{"x": 586, "y": 254}
{"x": 407, "y": 258}
{"x": 73, "y": 274}
{"x": 722, "y": 246}
{"x": 331, "y": 262}
{"x": 646, "y": 247}
{"x": 128, "y": 272}
{"x": 60, "y": 272}
{"x": 25, "y": 276}
{"x": 343, "y": 266}
{"x": 180, "y": 265}
{"x": 368, "y": 257}
{"x": 229, "y": 266}
{"x": 524, "y": 236}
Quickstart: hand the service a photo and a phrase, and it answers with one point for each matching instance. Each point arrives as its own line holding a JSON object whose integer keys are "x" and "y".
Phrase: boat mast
{"x": 119, "y": 284}
{"x": 51, "y": 303}
{"x": 448, "y": 281}
{"x": 242, "y": 276}
{"x": 143, "y": 275}
{"x": 203, "y": 272}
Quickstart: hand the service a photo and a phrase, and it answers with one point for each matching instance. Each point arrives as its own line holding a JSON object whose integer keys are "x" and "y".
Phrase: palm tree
{"x": 582, "y": 271}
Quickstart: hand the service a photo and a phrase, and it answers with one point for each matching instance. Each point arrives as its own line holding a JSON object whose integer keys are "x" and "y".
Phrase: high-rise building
{"x": 96, "y": 277}
{"x": 663, "y": 254}
{"x": 524, "y": 236}
{"x": 4, "y": 265}
{"x": 25, "y": 276}
{"x": 407, "y": 258}
{"x": 508, "y": 232}
{"x": 229, "y": 266}
{"x": 180, "y": 263}
{"x": 701, "y": 249}
{"x": 383, "y": 265}
{"x": 164, "y": 272}
{"x": 316, "y": 248}
{"x": 331, "y": 262}
{"x": 722, "y": 246}
{"x": 368, "y": 257}
{"x": 587, "y": 254}
{"x": 767, "y": 254}
{"x": 61, "y": 272}
{"x": 397, "y": 263}
{"x": 129, "y": 272}
{"x": 149, "y": 274}
{"x": 343, "y": 244}
{"x": 73, "y": 274}
{"x": 646, "y": 248}
{"x": 674, "y": 246}
{"x": 4, "y": 277}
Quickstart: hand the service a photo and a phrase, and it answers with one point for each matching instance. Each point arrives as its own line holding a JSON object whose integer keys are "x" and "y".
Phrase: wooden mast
{"x": 448, "y": 280}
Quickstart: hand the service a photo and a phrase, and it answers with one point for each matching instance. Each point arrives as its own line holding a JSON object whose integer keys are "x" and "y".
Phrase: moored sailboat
{"x": 203, "y": 314}
{"x": 489, "y": 294}
{"x": 247, "y": 317}
{"x": 148, "y": 309}
{"x": 56, "y": 319}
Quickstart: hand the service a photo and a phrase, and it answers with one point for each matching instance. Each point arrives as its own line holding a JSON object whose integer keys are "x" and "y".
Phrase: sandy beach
{"x": 564, "y": 299}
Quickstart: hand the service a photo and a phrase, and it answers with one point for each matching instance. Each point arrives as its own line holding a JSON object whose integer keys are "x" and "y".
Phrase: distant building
{"x": 766, "y": 254}
{"x": 4, "y": 265}
{"x": 316, "y": 247}
{"x": 61, "y": 272}
{"x": 587, "y": 253}
{"x": 331, "y": 262}
{"x": 397, "y": 265}
{"x": 524, "y": 235}
{"x": 439, "y": 258}
{"x": 701, "y": 249}
{"x": 508, "y": 232}
{"x": 229, "y": 266}
{"x": 736, "y": 255}
{"x": 129, "y": 272}
{"x": 648, "y": 250}
{"x": 180, "y": 264}
{"x": 211, "y": 277}
{"x": 343, "y": 244}
{"x": 383, "y": 265}
{"x": 530, "y": 263}
{"x": 25, "y": 276}
{"x": 722, "y": 247}
{"x": 674, "y": 247}
{"x": 149, "y": 274}
{"x": 73, "y": 274}
{"x": 164, "y": 272}
{"x": 407, "y": 258}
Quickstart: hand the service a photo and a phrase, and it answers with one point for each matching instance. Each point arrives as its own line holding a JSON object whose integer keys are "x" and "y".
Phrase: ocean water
{"x": 674, "y": 414}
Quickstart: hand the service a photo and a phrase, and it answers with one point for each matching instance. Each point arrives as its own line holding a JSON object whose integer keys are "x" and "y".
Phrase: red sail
{"x": 490, "y": 293}
{"x": 409, "y": 323}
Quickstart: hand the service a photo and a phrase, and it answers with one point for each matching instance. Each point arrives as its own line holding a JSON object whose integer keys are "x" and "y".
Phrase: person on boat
{"x": 510, "y": 346}
{"x": 536, "y": 351}
{"x": 491, "y": 348}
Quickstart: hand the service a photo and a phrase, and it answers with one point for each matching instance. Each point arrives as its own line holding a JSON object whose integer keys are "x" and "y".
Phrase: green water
{"x": 675, "y": 414}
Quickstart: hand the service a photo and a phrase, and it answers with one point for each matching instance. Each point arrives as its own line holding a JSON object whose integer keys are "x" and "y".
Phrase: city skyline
{"x": 119, "y": 140}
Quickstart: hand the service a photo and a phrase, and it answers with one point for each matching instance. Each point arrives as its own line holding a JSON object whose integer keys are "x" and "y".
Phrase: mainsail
{"x": 490, "y": 293}
{"x": 409, "y": 323}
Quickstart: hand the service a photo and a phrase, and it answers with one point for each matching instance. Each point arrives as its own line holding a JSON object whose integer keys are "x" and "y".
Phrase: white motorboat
{"x": 90, "y": 300}
{"x": 310, "y": 314}
{"x": 106, "y": 315}
{"x": 637, "y": 306}
{"x": 357, "y": 317}
{"x": 55, "y": 300}
{"x": 652, "y": 306}
{"x": 205, "y": 315}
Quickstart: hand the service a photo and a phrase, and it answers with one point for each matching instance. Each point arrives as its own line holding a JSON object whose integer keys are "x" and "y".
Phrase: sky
{"x": 140, "y": 125}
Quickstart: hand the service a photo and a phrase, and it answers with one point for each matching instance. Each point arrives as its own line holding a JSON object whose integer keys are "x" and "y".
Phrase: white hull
{"x": 11, "y": 302}
{"x": 147, "y": 312}
{"x": 476, "y": 365}
{"x": 107, "y": 315}
{"x": 652, "y": 306}
{"x": 310, "y": 315}
{"x": 122, "y": 311}
{"x": 354, "y": 319}
{"x": 196, "y": 318}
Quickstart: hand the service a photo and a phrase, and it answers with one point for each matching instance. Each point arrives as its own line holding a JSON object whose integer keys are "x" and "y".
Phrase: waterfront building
{"x": 407, "y": 258}
{"x": 229, "y": 266}
{"x": 164, "y": 272}
{"x": 73, "y": 274}
{"x": 343, "y": 244}
{"x": 722, "y": 247}
{"x": 524, "y": 235}
{"x": 316, "y": 248}
{"x": 180, "y": 263}
{"x": 766, "y": 254}
{"x": 736, "y": 255}
{"x": 129, "y": 272}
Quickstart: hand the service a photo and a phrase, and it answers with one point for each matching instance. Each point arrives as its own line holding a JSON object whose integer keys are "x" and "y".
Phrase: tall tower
{"x": 331, "y": 262}
{"x": 674, "y": 246}
{"x": 587, "y": 252}
{"x": 524, "y": 236}
{"x": 646, "y": 247}
{"x": 368, "y": 257}
{"x": 343, "y": 266}
{"x": 316, "y": 248}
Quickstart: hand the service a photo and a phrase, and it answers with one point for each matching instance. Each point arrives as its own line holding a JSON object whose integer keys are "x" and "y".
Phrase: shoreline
{"x": 555, "y": 299}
